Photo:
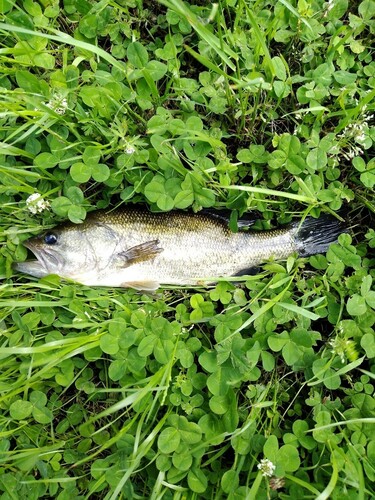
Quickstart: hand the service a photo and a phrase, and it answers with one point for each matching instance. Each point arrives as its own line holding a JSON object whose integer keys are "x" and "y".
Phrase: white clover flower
{"x": 350, "y": 154}
{"x": 360, "y": 138}
{"x": 58, "y": 103}
{"x": 267, "y": 467}
{"x": 129, "y": 149}
{"x": 36, "y": 204}
{"x": 62, "y": 107}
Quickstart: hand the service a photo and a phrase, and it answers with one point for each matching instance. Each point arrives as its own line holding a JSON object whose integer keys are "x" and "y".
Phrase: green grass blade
{"x": 65, "y": 39}
{"x": 219, "y": 46}
{"x": 326, "y": 493}
{"x": 273, "y": 192}
{"x": 262, "y": 43}
{"x": 299, "y": 310}
{"x": 295, "y": 12}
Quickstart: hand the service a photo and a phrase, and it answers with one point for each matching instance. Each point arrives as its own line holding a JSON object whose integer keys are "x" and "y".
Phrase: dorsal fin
{"x": 228, "y": 216}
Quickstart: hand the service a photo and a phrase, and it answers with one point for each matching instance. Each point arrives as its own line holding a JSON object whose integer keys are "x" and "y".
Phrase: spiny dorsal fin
{"x": 225, "y": 215}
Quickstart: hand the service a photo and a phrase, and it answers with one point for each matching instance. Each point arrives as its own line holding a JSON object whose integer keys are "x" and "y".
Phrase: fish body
{"x": 135, "y": 248}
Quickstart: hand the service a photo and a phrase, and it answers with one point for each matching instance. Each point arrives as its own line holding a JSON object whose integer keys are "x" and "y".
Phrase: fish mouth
{"x": 46, "y": 262}
{"x": 32, "y": 267}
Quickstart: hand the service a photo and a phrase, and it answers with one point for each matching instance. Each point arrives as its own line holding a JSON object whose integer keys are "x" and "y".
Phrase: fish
{"x": 132, "y": 247}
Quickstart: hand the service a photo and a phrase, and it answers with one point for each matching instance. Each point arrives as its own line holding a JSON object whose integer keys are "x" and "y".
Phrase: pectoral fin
{"x": 139, "y": 253}
{"x": 147, "y": 286}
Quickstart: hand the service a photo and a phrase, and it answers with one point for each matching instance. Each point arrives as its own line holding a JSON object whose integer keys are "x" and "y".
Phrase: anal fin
{"x": 147, "y": 286}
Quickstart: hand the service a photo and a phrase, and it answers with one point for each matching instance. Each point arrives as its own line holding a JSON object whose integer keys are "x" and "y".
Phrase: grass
{"x": 258, "y": 387}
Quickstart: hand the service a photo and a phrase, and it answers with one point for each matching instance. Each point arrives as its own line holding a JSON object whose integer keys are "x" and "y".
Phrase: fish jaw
{"x": 46, "y": 262}
{"x": 33, "y": 267}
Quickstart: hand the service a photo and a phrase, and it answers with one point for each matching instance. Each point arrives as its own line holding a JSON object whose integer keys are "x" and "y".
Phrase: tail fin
{"x": 315, "y": 235}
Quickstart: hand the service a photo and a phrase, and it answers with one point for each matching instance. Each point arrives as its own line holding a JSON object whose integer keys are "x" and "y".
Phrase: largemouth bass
{"x": 135, "y": 248}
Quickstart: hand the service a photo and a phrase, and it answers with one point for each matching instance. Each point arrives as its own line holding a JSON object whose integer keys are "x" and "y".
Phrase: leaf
{"x": 46, "y": 61}
{"x": 204, "y": 197}
{"x": 279, "y": 68}
{"x": 325, "y": 374}
{"x": 368, "y": 344}
{"x": 268, "y": 361}
{"x": 146, "y": 346}
{"x": 5, "y": 6}
{"x": 367, "y": 9}
{"x": 117, "y": 369}
{"x": 91, "y": 155}
{"x": 277, "y": 342}
{"x": 370, "y": 298}
{"x": 38, "y": 398}
{"x": 88, "y": 26}
{"x": 168, "y": 440}
{"x": 281, "y": 89}
{"x": 208, "y": 361}
{"x": 155, "y": 189}
{"x": 301, "y": 337}
{"x": 42, "y": 415}
{"x": 109, "y": 344}
{"x": 163, "y": 350}
{"x": 338, "y": 10}
{"x": 75, "y": 195}
{"x": 271, "y": 448}
{"x": 244, "y": 155}
{"x": 61, "y": 206}
{"x": 356, "y": 305}
{"x": 137, "y": 55}
{"x": 19, "y": 410}
{"x": 230, "y": 481}
{"x": 316, "y": 159}
{"x": 182, "y": 461}
{"x": 218, "y": 404}
{"x": 344, "y": 255}
{"x": 287, "y": 457}
{"x": 218, "y": 381}
{"x": 80, "y": 172}
{"x": 165, "y": 202}
{"x": 27, "y": 81}
{"x": 156, "y": 70}
{"x": 295, "y": 164}
{"x": 368, "y": 179}
{"x": 100, "y": 172}
{"x": 344, "y": 78}
{"x": 197, "y": 480}
{"x": 46, "y": 160}
{"x": 184, "y": 199}
{"x": 190, "y": 432}
{"x": 291, "y": 353}
{"x": 76, "y": 214}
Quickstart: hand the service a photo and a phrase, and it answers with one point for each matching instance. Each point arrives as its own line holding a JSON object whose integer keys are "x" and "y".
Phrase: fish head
{"x": 72, "y": 251}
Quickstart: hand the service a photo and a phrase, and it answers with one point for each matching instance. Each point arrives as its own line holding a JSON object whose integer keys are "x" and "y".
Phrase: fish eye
{"x": 50, "y": 238}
